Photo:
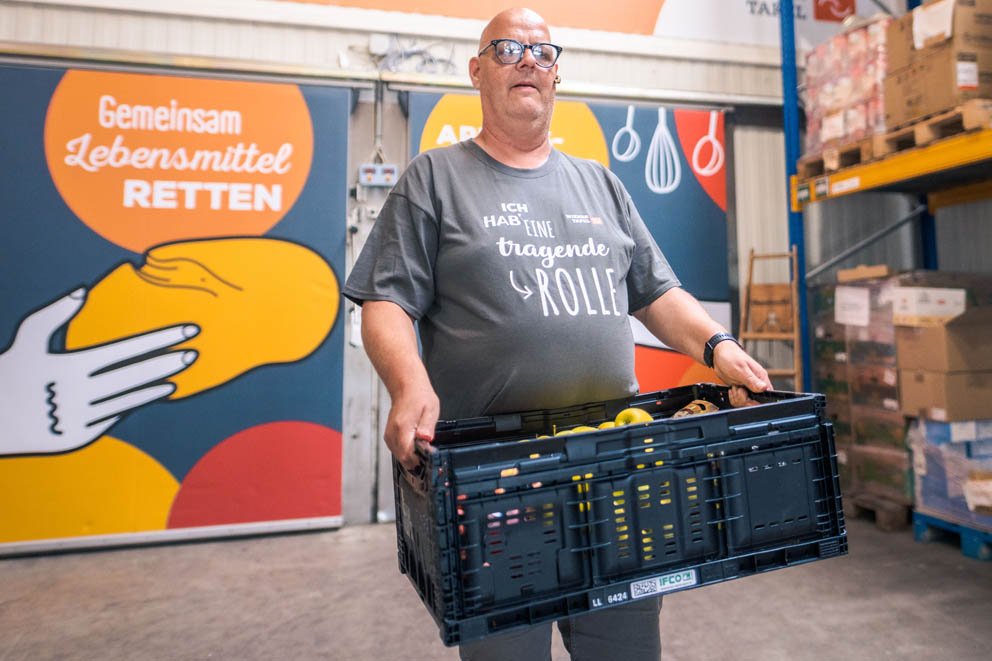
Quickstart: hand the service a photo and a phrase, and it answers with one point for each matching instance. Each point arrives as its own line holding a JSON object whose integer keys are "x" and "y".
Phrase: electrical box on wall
{"x": 378, "y": 174}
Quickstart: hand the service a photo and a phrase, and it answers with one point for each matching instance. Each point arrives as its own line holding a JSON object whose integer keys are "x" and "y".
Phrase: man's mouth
{"x": 526, "y": 84}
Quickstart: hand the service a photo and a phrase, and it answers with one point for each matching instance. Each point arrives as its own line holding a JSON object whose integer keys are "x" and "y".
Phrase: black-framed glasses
{"x": 511, "y": 51}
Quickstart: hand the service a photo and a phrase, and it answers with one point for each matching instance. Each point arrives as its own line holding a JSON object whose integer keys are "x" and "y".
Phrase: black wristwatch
{"x": 711, "y": 344}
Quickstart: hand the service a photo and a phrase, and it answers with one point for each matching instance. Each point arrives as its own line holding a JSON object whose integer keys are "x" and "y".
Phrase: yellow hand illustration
{"x": 257, "y": 301}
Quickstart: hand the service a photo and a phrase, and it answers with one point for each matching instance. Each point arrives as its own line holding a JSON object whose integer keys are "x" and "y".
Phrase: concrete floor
{"x": 338, "y": 595}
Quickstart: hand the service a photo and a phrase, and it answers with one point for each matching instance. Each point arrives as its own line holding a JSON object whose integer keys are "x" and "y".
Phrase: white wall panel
{"x": 762, "y": 220}
{"x": 630, "y": 61}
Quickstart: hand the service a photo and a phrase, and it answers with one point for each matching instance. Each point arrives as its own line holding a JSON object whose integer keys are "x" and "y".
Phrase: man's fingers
{"x": 139, "y": 345}
{"x": 39, "y": 325}
{"x": 427, "y": 423}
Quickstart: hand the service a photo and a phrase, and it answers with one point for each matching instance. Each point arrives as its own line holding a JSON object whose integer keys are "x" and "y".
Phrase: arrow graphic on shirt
{"x": 526, "y": 291}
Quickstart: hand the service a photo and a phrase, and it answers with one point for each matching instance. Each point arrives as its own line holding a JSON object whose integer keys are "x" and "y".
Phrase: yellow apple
{"x": 631, "y": 416}
{"x": 609, "y": 424}
{"x": 582, "y": 428}
{"x": 563, "y": 432}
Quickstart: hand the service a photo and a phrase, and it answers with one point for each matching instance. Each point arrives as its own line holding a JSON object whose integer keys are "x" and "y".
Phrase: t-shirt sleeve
{"x": 650, "y": 274}
{"x": 397, "y": 262}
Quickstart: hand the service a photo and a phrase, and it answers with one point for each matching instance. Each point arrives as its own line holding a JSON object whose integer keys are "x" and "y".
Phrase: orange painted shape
{"x": 574, "y": 128}
{"x": 272, "y": 472}
{"x": 634, "y": 17}
{"x": 702, "y": 137}
{"x": 658, "y": 369}
{"x": 148, "y": 159}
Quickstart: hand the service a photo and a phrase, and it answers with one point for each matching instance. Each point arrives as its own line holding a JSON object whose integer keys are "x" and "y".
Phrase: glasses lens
{"x": 544, "y": 54}
{"x": 509, "y": 51}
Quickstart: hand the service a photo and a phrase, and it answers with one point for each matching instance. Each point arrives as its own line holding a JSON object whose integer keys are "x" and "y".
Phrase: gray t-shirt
{"x": 521, "y": 280}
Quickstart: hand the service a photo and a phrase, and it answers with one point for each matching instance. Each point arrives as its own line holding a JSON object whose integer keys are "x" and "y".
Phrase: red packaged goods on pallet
{"x": 844, "y": 76}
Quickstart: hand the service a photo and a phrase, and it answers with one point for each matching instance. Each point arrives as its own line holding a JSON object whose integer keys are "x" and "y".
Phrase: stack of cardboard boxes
{"x": 911, "y": 348}
{"x": 939, "y": 56}
{"x": 944, "y": 348}
{"x": 844, "y": 79}
{"x": 830, "y": 373}
{"x": 879, "y": 459}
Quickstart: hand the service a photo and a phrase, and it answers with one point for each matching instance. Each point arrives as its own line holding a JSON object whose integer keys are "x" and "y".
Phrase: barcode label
{"x": 661, "y": 584}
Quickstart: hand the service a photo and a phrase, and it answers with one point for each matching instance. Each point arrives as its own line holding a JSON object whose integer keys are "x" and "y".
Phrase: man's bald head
{"x": 517, "y": 98}
{"x": 518, "y": 17}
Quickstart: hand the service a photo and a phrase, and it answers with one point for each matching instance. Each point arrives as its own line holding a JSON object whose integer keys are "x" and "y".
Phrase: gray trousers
{"x": 630, "y": 632}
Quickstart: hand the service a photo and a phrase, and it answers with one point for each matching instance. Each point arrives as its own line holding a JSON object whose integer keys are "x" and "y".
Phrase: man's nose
{"x": 528, "y": 59}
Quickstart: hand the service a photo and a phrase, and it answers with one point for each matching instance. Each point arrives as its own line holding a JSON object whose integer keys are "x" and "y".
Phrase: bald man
{"x": 521, "y": 265}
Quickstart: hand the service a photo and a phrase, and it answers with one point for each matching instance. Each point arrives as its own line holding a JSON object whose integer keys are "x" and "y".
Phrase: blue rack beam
{"x": 790, "y": 112}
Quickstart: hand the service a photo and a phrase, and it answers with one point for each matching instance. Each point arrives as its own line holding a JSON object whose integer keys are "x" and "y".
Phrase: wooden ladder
{"x": 778, "y": 320}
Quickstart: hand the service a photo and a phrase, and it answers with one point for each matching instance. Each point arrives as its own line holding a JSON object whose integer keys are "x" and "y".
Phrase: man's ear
{"x": 473, "y": 71}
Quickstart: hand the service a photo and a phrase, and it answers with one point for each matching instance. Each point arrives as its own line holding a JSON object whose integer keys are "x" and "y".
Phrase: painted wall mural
{"x": 754, "y": 22}
{"x": 673, "y": 163}
{"x": 172, "y": 254}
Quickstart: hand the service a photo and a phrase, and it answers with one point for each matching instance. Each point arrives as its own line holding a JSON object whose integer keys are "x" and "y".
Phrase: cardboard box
{"x": 862, "y": 272}
{"x": 899, "y": 42}
{"x": 938, "y": 79}
{"x": 874, "y": 385}
{"x": 878, "y": 427}
{"x": 946, "y": 396}
{"x": 963, "y": 343}
{"x": 882, "y": 471}
{"x": 771, "y": 308}
{"x": 966, "y": 23}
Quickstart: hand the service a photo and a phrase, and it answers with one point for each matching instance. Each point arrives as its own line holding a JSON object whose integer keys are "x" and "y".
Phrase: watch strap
{"x": 711, "y": 345}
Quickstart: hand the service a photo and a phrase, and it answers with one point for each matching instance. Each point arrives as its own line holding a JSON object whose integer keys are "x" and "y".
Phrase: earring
{"x": 557, "y": 79}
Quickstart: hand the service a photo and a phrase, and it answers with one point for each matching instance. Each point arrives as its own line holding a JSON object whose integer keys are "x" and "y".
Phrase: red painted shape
{"x": 834, "y": 11}
{"x": 275, "y": 471}
{"x": 705, "y": 151}
{"x": 658, "y": 369}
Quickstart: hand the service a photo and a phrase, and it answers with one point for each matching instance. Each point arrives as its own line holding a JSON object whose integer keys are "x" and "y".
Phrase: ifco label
{"x": 661, "y": 584}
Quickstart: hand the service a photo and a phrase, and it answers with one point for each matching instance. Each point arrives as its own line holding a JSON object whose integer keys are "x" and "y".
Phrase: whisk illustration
{"x": 716, "y": 154}
{"x": 662, "y": 168}
{"x": 634, "y": 142}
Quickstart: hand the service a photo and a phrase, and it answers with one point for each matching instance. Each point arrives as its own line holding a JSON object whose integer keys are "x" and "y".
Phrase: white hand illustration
{"x": 54, "y": 402}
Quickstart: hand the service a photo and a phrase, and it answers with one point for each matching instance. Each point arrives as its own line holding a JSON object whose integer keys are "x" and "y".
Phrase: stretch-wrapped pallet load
{"x": 844, "y": 86}
{"x": 830, "y": 372}
{"x": 879, "y": 458}
{"x": 939, "y": 57}
{"x": 953, "y": 471}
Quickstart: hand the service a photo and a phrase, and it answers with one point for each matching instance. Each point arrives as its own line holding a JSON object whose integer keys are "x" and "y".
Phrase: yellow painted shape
{"x": 574, "y": 129}
{"x": 257, "y": 301}
{"x": 107, "y": 487}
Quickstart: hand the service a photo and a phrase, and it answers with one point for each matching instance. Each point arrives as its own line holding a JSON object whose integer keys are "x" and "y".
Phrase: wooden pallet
{"x": 972, "y": 115}
{"x": 808, "y": 167}
{"x": 834, "y": 158}
{"x": 974, "y": 543}
{"x": 847, "y": 155}
{"x": 887, "y": 514}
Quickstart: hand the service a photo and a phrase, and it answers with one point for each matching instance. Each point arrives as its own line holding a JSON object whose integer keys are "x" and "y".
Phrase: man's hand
{"x": 391, "y": 343}
{"x": 412, "y": 415}
{"x": 736, "y": 368}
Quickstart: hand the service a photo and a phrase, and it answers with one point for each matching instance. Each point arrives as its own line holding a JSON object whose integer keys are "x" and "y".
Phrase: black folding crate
{"x": 499, "y": 529}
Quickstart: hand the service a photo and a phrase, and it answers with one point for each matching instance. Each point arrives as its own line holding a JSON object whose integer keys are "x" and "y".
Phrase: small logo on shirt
{"x": 584, "y": 219}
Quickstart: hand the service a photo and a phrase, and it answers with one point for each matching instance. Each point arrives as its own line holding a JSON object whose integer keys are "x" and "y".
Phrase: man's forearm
{"x": 391, "y": 343}
{"x": 677, "y": 319}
